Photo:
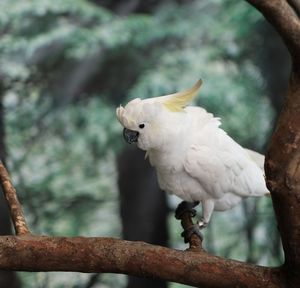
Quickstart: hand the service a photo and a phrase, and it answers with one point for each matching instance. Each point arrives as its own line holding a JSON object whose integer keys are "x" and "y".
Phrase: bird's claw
{"x": 193, "y": 229}
{"x": 202, "y": 224}
{"x": 185, "y": 206}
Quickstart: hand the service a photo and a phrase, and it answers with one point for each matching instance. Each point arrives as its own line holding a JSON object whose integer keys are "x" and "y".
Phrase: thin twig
{"x": 10, "y": 194}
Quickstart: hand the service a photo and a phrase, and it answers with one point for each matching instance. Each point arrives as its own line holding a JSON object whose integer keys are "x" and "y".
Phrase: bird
{"x": 194, "y": 158}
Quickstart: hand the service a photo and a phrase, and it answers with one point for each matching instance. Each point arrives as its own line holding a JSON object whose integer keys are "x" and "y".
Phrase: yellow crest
{"x": 177, "y": 101}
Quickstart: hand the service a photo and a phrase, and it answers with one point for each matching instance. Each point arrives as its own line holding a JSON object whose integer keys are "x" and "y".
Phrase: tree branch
{"x": 193, "y": 267}
{"x": 195, "y": 242}
{"x": 283, "y": 173}
{"x": 281, "y": 14}
{"x": 33, "y": 253}
{"x": 13, "y": 203}
{"x": 282, "y": 163}
{"x": 296, "y": 6}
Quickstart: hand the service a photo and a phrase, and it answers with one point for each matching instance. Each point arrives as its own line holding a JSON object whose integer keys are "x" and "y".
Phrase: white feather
{"x": 208, "y": 165}
{"x": 194, "y": 158}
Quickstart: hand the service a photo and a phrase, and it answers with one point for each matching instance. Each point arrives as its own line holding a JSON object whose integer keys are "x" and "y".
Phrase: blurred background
{"x": 64, "y": 68}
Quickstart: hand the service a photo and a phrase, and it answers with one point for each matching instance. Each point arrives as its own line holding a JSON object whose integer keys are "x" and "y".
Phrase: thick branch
{"x": 296, "y": 6}
{"x": 32, "y": 253}
{"x": 283, "y": 178}
{"x": 13, "y": 203}
{"x": 283, "y": 157}
{"x": 284, "y": 17}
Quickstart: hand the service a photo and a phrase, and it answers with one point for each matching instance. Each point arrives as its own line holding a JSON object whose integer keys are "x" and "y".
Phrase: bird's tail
{"x": 256, "y": 157}
{"x": 259, "y": 159}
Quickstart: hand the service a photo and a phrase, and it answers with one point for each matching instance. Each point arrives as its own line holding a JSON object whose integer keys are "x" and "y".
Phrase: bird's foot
{"x": 185, "y": 211}
{"x": 193, "y": 229}
{"x": 184, "y": 207}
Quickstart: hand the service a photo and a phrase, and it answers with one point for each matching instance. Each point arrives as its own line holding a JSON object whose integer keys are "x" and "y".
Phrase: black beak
{"x": 130, "y": 136}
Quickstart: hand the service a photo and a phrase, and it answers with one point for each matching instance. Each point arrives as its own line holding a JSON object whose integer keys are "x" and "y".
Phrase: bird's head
{"x": 147, "y": 122}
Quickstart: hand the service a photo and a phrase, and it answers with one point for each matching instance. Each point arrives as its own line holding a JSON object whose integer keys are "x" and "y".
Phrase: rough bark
{"x": 284, "y": 19}
{"x": 16, "y": 212}
{"x": 283, "y": 179}
{"x": 283, "y": 157}
{"x": 127, "y": 257}
{"x": 193, "y": 267}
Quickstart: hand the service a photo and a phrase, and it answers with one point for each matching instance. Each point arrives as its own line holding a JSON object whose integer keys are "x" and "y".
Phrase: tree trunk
{"x": 283, "y": 157}
{"x": 143, "y": 207}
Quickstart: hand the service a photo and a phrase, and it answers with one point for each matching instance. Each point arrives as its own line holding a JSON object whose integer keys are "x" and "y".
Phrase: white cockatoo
{"x": 193, "y": 157}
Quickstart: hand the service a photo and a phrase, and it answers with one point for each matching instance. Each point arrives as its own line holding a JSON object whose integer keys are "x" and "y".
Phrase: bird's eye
{"x": 142, "y": 126}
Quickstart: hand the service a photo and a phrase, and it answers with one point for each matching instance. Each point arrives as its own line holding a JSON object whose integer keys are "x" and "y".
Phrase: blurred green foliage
{"x": 66, "y": 65}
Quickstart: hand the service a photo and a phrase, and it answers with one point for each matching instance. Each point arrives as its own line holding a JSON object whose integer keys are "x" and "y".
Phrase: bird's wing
{"x": 220, "y": 170}
{"x": 258, "y": 158}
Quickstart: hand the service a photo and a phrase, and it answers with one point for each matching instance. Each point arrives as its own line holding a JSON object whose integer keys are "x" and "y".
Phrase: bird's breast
{"x": 173, "y": 178}
{"x": 178, "y": 182}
